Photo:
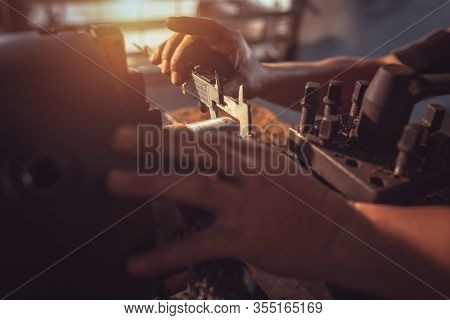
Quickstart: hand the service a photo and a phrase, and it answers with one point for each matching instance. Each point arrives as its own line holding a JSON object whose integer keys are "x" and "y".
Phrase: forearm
{"x": 395, "y": 252}
{"x": 284, "y": 82}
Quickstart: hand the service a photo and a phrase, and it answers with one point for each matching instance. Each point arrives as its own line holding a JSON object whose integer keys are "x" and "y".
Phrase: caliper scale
{"x": 225, "y": 111}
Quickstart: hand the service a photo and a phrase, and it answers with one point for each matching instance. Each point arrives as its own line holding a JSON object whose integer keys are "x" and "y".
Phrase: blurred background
{"x": 277, "y": 30}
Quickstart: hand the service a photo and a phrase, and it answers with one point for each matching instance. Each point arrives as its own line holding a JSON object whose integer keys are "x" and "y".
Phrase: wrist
{"x": 280, "y": 81}
{"x": 267, "y": 73}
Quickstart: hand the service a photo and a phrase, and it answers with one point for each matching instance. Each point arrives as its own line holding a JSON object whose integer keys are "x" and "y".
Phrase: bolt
{"x": 408, "y": 147}
{"x": 333, "y": 99}
{"x": 434, "y": 117}
{"x": 309, "y": 106}
{"x": 329, "y": 127}
{"x": 357, "y": 98}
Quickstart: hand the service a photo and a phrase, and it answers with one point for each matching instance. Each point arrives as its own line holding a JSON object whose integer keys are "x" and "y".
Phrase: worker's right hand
{"x": 197, "y": 40}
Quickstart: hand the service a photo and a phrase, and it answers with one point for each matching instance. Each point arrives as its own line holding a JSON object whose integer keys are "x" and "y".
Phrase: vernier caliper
{"x": 206, "y": 87}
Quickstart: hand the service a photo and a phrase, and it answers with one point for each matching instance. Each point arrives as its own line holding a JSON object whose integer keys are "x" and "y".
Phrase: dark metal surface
{"x": 376, "y": 163}
{"x": 333, "y": 98}
{"x": 309, "y": 106}
{"x": 61, "y": 103}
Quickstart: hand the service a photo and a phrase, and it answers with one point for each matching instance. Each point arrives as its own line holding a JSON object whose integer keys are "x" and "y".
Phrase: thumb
{"x": 211, "y": 31}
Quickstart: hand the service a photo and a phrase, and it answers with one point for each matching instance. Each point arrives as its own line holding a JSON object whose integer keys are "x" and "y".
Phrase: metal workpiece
{"x": 224, "y": 124}
{"x": 111, "y": 40}
{"x": 206, "y": 87}
{"x": 219, "y": 88}
{"x": 329, "y": 127}
{"x": 358, "y": 94}
{"x": 372, "y": 154}
{"x": 409, "y": 147}
{"x": 333, "y": 98}
{"x": 357, "y": 99}
{"x": 309, "y": 105}
{"x": 434, "y": 117}
{"x": 389, "y": 100}
{"x": 411, "y": 138}
{"x": 386, "y": 107}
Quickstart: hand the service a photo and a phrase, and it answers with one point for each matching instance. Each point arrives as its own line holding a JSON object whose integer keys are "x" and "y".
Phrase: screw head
{"x": 411, "y": 139}
{"x": 434, "y": 117}
{"x": 329, "y": 127}
{"x": 311, "y": 94}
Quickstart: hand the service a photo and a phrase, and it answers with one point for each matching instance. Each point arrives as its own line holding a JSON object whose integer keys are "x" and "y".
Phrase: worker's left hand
{"x": 263, "y": 208}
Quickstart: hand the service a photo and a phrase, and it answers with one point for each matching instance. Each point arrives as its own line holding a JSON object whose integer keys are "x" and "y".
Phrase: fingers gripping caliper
{"x": 225, "y": 111}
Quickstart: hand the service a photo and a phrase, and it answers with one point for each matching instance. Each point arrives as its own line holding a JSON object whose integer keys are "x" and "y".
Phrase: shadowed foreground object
{"x": 60, "y": 106}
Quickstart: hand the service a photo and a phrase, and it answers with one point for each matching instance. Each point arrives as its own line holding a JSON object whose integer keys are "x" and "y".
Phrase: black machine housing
{"x": 372, "y": 153}
{"x": 62, "y": 96}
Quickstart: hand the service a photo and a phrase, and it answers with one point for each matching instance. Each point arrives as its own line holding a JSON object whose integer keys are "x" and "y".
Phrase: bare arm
{"x": 413, "y": 251}
{"x": 284, "y": 82}
{"x": 195, "y": 39}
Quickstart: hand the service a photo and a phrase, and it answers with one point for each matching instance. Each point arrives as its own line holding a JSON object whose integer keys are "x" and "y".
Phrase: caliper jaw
{"x": 206, "y": 87}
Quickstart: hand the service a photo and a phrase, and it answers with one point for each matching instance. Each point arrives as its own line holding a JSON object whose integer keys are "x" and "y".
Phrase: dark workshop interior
{"x": 72, "y": 72}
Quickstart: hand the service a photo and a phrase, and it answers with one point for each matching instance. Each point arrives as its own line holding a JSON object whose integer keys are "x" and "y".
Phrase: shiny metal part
{"x": 206, "y": 87}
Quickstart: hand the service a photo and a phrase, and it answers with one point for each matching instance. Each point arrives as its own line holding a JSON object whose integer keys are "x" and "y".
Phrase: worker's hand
{"x": 200, "y": 41}
{"x": 262, "y": 205}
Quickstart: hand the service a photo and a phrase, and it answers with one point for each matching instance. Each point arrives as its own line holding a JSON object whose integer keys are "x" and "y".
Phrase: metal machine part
{"x": 357, "y": 99}
{"x": 309, "y": 106}
{"x": 333, "y": 98}
{"x": 409, "y": 149}
{"x": 374, "y": 155}
{"x": 60, "y": 108}
{"x": 388, "y": 103}
{"x": 206, "y": 87}
{"x": 434, "y": 118}
{"x": 221, "y": 123}
{"x": 329, "y": 127}
{"x": 386, "y": 107}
